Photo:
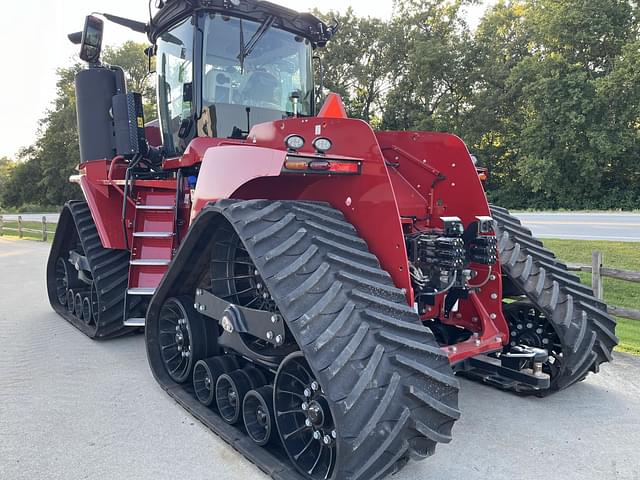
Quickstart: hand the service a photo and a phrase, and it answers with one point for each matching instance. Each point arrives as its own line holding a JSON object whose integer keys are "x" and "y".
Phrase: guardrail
{"x": 598, "y": 272}
{"x": 21, "y": 229}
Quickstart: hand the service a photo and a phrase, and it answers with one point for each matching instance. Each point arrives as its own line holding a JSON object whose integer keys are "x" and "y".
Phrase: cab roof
{"x": 303, "y": 24}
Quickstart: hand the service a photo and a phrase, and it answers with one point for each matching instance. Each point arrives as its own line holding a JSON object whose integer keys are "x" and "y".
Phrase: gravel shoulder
{"x": 72, "y": 408}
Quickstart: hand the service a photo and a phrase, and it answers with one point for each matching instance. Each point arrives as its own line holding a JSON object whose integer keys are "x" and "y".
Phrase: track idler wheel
{"x": 304, "y": 418}
{"x": 62, "y": 280}
{"x": 258, "y": 415}
{"x": 231, "y": 389}
{"x": 183, "y": 340}
{"x": 206, "y": 374}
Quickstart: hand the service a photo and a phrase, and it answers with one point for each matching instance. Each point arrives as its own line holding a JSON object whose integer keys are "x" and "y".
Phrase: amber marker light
{"x": 296, "y": 165}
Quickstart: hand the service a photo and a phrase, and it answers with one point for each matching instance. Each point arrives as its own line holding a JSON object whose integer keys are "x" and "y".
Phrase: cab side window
{"x": 175, "y": 86}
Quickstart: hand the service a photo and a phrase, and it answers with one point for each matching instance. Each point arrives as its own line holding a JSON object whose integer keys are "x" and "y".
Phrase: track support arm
{"x": 265, "y": 325}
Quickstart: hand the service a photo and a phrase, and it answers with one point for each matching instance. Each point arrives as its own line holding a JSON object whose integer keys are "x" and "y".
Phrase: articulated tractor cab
{"x": 309, "y": 288}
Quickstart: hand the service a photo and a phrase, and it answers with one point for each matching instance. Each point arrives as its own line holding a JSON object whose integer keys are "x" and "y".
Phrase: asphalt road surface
{"x": 72, "y": 408}
{"x": 624, "y": 227}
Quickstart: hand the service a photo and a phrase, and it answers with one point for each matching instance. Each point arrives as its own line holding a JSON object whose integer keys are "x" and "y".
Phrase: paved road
{"x": 72, "y": 408}
{"x": 623, "y": 227}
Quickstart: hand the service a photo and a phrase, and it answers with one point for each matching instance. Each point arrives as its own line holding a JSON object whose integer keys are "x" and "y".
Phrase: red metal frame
{"x": 408, "y": 181}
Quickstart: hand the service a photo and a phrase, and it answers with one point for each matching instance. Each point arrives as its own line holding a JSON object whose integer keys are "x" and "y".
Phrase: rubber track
{"x": 110, "y": 270}
{"x": 393, "y": 392}
{"x": 586, "y": 331}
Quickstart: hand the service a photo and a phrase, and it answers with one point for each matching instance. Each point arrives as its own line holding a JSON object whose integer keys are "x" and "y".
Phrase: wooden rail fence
{"x": 598, "y": 272}
{"x": 43, "y": 232}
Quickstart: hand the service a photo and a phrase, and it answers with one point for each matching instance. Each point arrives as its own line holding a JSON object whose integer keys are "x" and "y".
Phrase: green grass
{"x": 622, "y": 255}
{"x": 27, "y": 225}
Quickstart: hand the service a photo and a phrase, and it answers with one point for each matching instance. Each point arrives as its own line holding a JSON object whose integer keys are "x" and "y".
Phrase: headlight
{"x": 322, "y": 144}
{"x": 294, "y": 142}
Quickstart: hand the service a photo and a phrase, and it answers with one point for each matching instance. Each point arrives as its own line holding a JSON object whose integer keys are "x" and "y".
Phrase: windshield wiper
{"x": 246, "y": 49}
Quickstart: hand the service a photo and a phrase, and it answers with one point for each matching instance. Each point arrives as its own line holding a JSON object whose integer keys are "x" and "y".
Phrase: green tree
{"x": 562, "y": 112}
{"x": 501, "y": 42}
{"x": 7, "y": 166}
{"x": 432, "y": 66}
{"x": 135, "y": 63}
{"x": 357, "y": 65}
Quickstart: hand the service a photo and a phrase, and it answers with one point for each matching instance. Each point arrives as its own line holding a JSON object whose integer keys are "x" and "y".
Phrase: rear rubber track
{"x": 109, "y": 269}
{"x": 585, "y": 329}
{"x": 392, "y": 392}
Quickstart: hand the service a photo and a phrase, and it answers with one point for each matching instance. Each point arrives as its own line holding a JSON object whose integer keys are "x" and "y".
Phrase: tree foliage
{"x": 545, "y": 92}
{"x": 358, "y": 65}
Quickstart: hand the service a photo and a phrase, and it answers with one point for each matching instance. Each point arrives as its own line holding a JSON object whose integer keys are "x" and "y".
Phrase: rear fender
{"x": 368, "y": 201}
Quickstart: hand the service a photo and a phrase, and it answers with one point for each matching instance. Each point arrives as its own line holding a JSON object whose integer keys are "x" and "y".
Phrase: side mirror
{"x": 91, "y": 44}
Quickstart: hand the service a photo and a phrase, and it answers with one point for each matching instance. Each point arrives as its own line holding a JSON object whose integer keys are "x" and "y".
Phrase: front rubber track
{"x": 109, "y": 269}
{"x": 585, "y": 329}
{"x": 392, "y": 391}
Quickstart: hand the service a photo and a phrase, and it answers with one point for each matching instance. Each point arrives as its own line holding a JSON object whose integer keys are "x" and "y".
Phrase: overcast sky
{"x": 33, "y": 43}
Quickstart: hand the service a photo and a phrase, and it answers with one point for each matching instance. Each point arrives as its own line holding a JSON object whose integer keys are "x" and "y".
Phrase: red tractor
{"x": 306, "y": 285}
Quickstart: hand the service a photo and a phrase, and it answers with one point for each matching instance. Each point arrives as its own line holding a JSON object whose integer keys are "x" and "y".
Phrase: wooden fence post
{"x": 44, "y": 228}
{"x": 20, "y": 225}
{"x": 596, "y": 277}
{"x": 1, "y": 225}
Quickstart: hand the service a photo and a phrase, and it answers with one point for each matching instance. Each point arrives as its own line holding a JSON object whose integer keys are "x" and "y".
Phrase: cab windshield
{"x": 252, "y": 64}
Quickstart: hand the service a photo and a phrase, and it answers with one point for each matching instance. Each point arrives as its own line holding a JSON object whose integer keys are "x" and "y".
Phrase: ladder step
{"x": 141, "y": 291}
{"x": 153, "y": 234}
{"x": 155, "y": 207}
{"x": 154, "y": 263}
{"x": 134, "y": 322}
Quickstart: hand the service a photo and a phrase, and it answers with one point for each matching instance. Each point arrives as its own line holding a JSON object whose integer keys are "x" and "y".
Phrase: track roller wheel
{"x": 206, "y": 373}
{"x": 77, "y": 305}
{"x": 71, "y": 301}
{"x": 304, "y": 419}
{"x": 231, "y": 389}
{"x": 87, "y": 314}
{"x": 183, "y": 340}
{"x": 95, "y": 305}
{"x": 258, "y": 415}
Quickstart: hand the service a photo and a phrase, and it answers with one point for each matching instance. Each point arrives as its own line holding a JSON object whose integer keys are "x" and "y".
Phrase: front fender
{"x": 226, "y": 168}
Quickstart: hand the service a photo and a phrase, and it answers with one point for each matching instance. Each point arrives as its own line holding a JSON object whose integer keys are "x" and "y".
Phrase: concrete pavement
{"x": 72, "y": 408}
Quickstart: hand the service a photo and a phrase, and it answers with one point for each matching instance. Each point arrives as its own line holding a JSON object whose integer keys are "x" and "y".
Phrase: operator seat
{"x": 263, "y": 90}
